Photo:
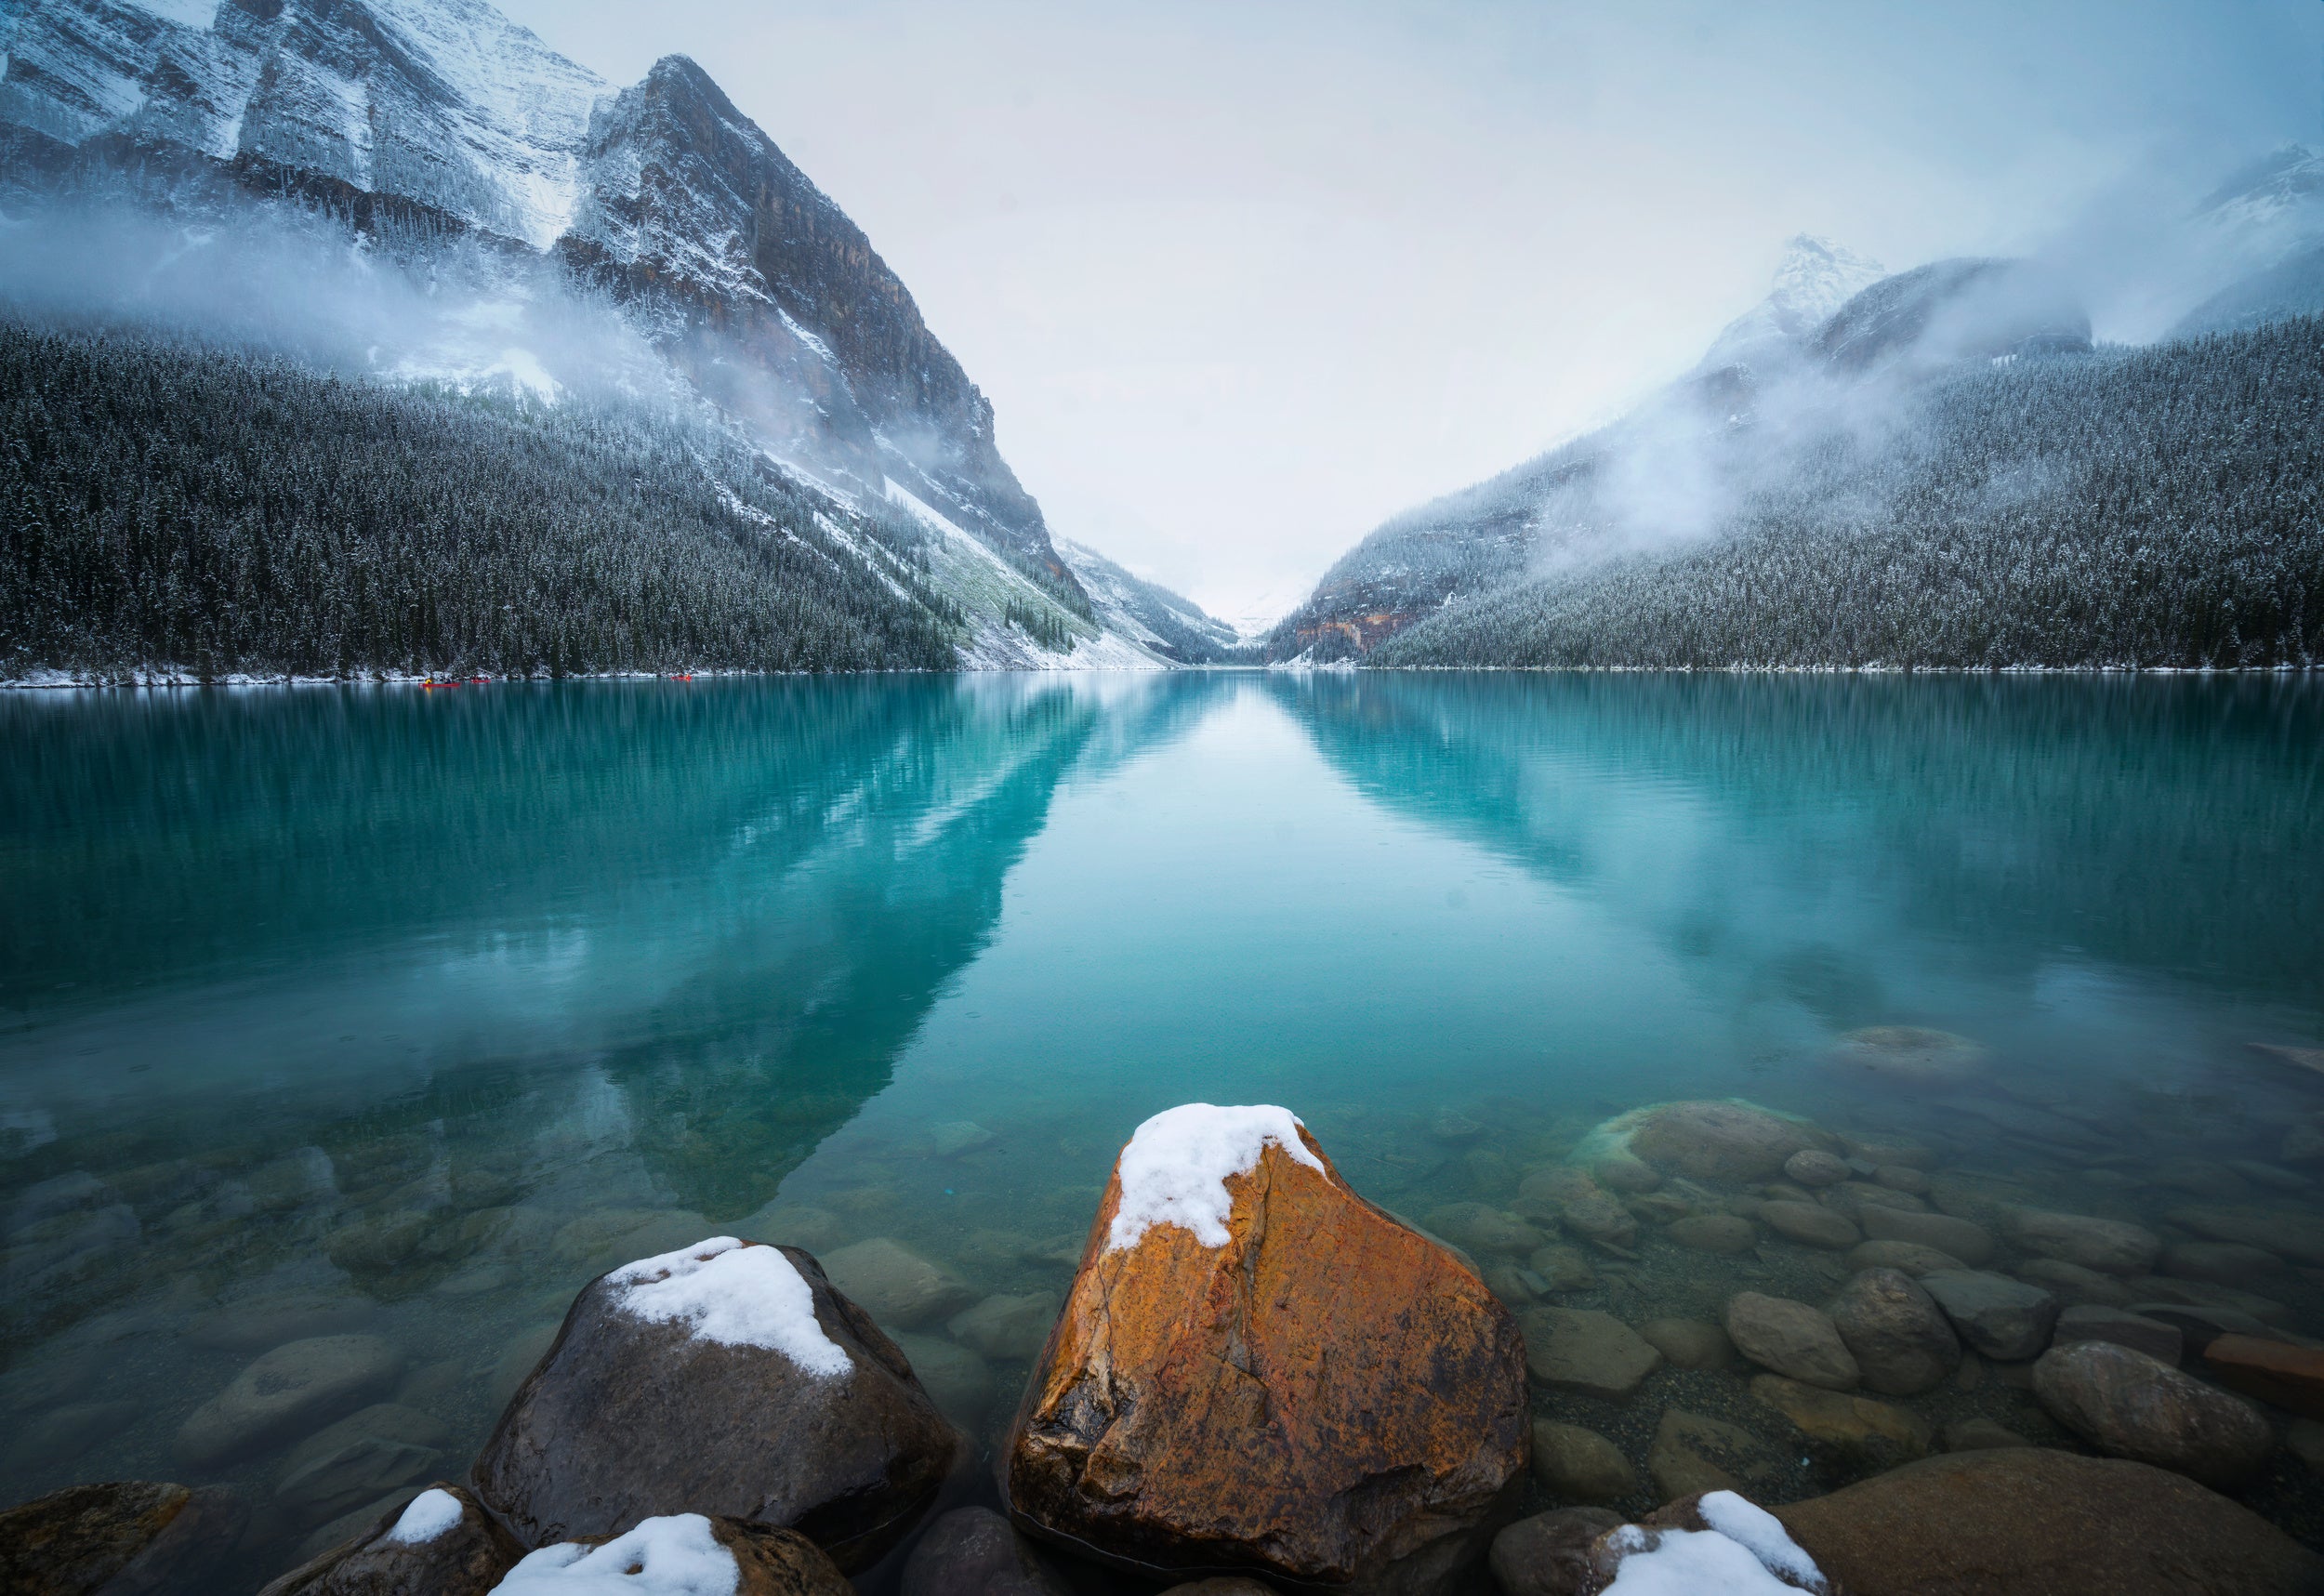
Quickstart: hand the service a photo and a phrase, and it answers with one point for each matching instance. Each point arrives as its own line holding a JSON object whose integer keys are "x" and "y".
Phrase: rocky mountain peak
{"x": 1813, "y": 278}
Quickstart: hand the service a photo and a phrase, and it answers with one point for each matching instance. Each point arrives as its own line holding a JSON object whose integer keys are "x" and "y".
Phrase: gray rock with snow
{"x": 720, "y": 1379}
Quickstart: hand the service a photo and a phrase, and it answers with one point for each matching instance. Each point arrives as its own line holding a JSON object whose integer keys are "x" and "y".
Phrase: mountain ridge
{"x": 417, "y": 124}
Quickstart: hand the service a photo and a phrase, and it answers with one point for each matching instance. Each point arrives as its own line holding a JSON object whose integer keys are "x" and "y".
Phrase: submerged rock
{"x": 895, "y": 1286}
{"x": 1900, "y": 1338}
{"x": 1791, "y": 1339}
{"x": 1727, "y": 1141}
{"x": 1714, "y": 1234}
{"x": 1580, "y": 1349}
{"x": 1579, "y": 1465}
{"x": 2088, "y": 1322}
{"x": 1549, "y": 1554}
{"x": 1006, "y": 1326}
{"x": 358, "y": 1459}
{"x": 1910, "y": 1258}
{"x": 2000, "y": 1317}
{"x": 1912, "y": 1057}
{"x": 1813, "y": 1167}
{"x": 1964, "y": 1239}
{"x": 1258, "y": 1369}
{"x": 726, "y": 1377}
{"x": 2071, "y": 1282}
{"x": 1693, "y": 1452}
{"x": 1978, "y": 1434}
{"x": 2135, "y": 1406}
{"x": 1810, "y": 1224}
{"x": 2223, "y": 1262}
{"x": 2288, "y": 1376}
{"x": 292, "y": 1389}
{"x": 2110, "y": 1247}
{"x": 2028, "y": 1519}
{"x": 134, "y": 1538}
{"x": 1856, "y": 1432}
{"x": 1689, "y": 1343}
{"x": 442, "y": 1543}
{"x": 975, "y": 1551}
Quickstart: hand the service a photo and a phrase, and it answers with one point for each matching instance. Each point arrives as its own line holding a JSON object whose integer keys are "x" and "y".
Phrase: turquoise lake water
{"x": 407, "y": 1011}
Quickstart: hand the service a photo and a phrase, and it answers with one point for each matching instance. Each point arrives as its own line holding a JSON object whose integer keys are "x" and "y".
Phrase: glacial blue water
{"x": 407, "y": 1011}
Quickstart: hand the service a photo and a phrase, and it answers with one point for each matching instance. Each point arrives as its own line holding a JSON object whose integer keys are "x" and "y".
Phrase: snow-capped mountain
{"x": 1660, "y": 475}
{"x": 1165, "y": 623}
{"x": 419, "y": 123}
{"x": 2266, "y": 223}
{"x": 1814, "y": 279}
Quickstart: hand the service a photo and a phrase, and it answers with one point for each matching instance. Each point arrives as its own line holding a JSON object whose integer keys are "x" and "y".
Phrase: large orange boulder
{"x": 1259, "y": 1372}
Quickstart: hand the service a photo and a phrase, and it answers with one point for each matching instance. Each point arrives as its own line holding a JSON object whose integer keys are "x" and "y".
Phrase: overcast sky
{"x": 1243, "y": 279}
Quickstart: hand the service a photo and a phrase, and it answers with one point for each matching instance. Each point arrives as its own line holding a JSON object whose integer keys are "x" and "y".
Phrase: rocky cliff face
{"x": 434, "y": 117}
{"x": 687, "y": 209}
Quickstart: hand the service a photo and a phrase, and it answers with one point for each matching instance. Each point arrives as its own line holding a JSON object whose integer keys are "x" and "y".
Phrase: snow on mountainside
{"x": 1160, "y": 621}
{"x": 2268, "y": 223}
{"x": 422, "y": 123}
{"x": 1669, "y": 471}
{"x": 1814, "y": 279}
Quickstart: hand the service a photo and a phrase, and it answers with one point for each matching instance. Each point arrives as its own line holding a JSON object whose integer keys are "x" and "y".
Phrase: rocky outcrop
{"x": 2009, "y": 1520}
{"x": 727, "y": 1378}
{"x": 416, "y": 122}
{"x": 1258, "y": 1371}
{"x": 135, "y": 1537}
{"x": 442, "y": 1543}
{"x": 2131, "y": 1405}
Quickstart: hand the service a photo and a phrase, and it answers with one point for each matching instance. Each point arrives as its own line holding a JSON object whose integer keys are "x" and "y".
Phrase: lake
{"x": 407, "y": 1011}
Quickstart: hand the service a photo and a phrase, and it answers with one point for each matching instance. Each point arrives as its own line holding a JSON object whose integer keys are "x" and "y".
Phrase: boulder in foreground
{"x": 134, "y": 1538}
{"x": 2020, "y": 1519}
{"x": 1712, "y": 1541}
{"x": 442, "y": 1543}
{"x": 2122, "y": 1401}
{"x": 1257, "y": 1371}
{"x": 726, "y": 1378}
{"x": 681, "y": 1554}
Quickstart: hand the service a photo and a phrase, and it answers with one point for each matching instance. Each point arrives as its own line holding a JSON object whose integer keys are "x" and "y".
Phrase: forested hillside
{"x": 2164, "y": 506}
{"x": 166, "y": 505}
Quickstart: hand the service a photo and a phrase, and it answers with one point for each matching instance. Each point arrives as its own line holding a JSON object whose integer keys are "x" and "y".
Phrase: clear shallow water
{"x": 408, "y": 1011}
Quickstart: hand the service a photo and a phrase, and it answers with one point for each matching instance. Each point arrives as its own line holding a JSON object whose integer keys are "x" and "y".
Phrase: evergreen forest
{"x": 2159, "y": 507}
{"x": 167, "y": 505}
